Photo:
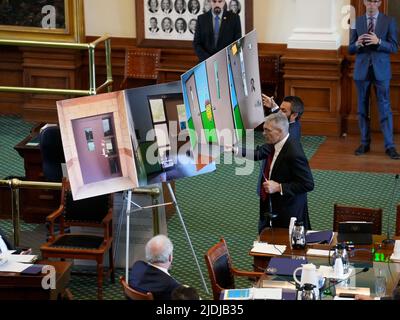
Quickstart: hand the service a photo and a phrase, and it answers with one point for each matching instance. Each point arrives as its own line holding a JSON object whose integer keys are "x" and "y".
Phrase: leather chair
{"x": 398, "y": 221}
{"x": 93, "y": 212}
{"x": 52, "y": 153}
{"x": 132, "y": 294}
{"x": 343, "y": 213}
{"x": 141, "y": 65}
{"x": 220, "y": 270}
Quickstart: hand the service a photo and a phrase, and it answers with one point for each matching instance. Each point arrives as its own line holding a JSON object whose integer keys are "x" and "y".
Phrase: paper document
{"x": 319, "y": 253}
{"x": 22, "y": 258}
{"x": 267, "y": 293}
{"x": 10, "y": 266}
{"x": 328, "y": 272}
{"x": 278, "y": 284}
{"x": 353, "y": 290}
{"x": 262, "y": 247}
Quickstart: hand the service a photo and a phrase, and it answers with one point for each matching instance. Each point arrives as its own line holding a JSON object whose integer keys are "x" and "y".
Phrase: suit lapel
{"x": 364, "y": 27}
{"x": 280, "y": 157}
{"x": 379, "y": 25}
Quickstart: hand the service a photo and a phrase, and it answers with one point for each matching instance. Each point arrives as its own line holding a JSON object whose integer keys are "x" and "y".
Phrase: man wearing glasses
{"x": 373, "y": 39}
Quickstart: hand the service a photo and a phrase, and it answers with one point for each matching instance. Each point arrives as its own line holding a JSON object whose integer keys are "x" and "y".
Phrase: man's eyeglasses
{"x": 373, "y": 1}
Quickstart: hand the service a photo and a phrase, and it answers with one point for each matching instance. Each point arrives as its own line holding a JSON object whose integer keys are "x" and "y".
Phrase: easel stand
{"x": 128, "y": 211}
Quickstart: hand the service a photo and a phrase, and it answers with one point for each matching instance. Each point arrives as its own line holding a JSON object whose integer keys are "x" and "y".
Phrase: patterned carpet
{"x": 215, "y": 205}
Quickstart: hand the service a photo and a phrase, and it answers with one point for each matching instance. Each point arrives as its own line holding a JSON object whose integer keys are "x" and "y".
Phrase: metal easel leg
{"x": 187, "y": 234}
{"x": 119, "y": 226}
{"x": 128, "y": 218}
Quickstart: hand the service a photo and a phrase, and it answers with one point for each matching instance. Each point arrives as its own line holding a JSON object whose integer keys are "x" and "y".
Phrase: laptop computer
{"x": 358, "y": 232}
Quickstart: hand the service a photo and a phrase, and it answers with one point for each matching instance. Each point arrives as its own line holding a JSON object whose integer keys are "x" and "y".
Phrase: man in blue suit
{"x": 373, "y": 39}
{"x": 152, "y": 275}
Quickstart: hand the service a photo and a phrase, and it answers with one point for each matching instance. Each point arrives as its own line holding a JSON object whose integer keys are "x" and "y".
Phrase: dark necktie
{"x": 371, "y": 24}
{"x": 216, "y": 29}
{"x": 264, "y": 194}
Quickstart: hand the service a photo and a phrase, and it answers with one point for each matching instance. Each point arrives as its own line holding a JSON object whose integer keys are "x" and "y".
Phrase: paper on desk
{"x": 318, "y": 252}
{"x": 328, "y": 272}
{"x": 342, "y": 298}
{"x": 22, "y": 258}
{"x": 10, "y": 266}
{"x": 262, "y": 247}
{"x": 267, "y": 293}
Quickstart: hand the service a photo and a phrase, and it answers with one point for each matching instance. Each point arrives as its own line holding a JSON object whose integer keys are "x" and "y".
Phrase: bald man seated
{"x": 152, "y": 275}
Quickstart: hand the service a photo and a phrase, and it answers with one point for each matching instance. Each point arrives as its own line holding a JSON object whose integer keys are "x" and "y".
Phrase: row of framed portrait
{"x": 176, "y": 19}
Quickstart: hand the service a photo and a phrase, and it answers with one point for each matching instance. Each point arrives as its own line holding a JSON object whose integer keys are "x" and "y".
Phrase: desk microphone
{"x": 328, "y": 289}
{"x": 389, "y": 240}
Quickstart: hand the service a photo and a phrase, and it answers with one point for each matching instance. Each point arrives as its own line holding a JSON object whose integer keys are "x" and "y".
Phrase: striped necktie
{"x": 371, "y": 24}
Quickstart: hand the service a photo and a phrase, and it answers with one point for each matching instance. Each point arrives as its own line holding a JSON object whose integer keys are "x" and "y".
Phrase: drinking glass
{"x": 380, "y": 286}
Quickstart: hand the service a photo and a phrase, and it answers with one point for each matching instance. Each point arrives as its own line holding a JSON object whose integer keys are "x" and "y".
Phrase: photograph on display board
{"x": 160, "y": 130}
{"x": 126, "y": 139}
{"x": 176, "y": 19}
{"x": 244, "y": 70}
{"x": 223, "y": 95}
{"x": 97, "y": 144}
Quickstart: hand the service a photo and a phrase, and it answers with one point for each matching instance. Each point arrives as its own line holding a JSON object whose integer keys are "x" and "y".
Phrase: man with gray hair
{"x": 286, "y": 177}
{"x": 152, "y": 275}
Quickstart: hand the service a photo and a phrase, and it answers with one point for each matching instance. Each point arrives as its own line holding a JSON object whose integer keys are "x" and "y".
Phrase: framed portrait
{"x": 171, "y": 23}
{"x": 42, "y": 20}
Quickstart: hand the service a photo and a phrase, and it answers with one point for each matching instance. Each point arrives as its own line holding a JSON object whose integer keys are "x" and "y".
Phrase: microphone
{"x": 328, "y": 289}
{"x": 388, "y": 239}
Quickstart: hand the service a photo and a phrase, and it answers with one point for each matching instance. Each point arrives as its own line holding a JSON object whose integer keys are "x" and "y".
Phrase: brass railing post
{"x": 15, "y": 210}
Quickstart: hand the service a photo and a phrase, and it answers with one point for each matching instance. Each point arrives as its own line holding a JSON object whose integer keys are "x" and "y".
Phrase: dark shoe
{"x": 364, "y": 148}
{"x": 392, "y": 153}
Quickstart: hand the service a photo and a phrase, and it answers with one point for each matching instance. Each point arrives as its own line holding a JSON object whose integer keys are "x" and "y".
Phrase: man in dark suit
{"x": 215, "y": 30}
{"x": 373, "y": 39}
{"x": 152, "y": 275}
{"x": 287, "y": 175}
{"x": 292, "y": 107}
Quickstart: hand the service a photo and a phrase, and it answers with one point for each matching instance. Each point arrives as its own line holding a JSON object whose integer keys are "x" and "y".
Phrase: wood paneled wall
{"x": 323, "y": 79}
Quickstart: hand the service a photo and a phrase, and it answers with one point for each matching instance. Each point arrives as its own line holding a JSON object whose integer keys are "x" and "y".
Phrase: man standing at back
{"x": 152, "y": 275}
{"x": 373, "y": 39}
{"x": 215, "y": 30}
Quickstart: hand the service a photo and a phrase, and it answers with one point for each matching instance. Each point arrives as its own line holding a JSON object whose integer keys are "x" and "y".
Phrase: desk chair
{"x": 220, "y": 270}
{"x": 92, "y": 212}
{"x": 132, "y": 294}
{"x": 343, "y": 213}
{"x": 142, "y": 65}
{"x": 398, "y": 221}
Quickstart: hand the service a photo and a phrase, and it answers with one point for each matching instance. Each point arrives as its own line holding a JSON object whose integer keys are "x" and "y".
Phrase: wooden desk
{"x": 365, "y": 279}
{"x": 35, "y": 205}
{"x": 14, "y": 286}
{"x": 281, "y": 236}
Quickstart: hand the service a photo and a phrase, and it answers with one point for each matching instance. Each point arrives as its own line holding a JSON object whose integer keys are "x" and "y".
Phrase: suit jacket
{"x": 146, "y": 278}
{"x": 295, "y": 133}
{"x": 7, "y": 242}
{"x": 292, "y": 171}
{"x": 203, "y": 41}
{"x": 377, "y": 55}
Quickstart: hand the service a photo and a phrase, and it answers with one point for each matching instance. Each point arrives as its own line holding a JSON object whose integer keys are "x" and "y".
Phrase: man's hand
{"x": 370, "y": 38}
{"x": 27, "y": 251}
{"x": 267, "y": 101}
{"x": 270, "y": 186}
{"x": 360, "y": 41}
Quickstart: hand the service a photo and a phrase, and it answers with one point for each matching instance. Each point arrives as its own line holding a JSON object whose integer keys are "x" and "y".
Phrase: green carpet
{"x": 222, "y": 204}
